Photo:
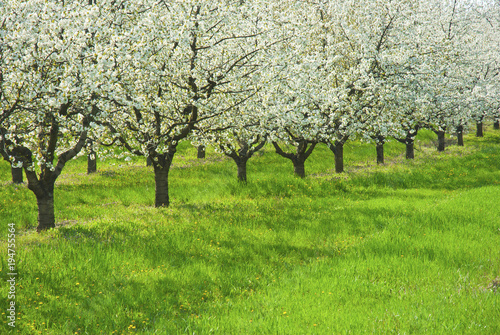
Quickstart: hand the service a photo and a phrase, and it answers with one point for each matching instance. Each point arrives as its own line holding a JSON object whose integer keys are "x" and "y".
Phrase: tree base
{"x": 46, "y": 219}
{"x": 410, "y": 150}
{"x": 380, "y": 154}
{"x": 201, "y": 152}
{"x": 299, "y": 169}
{"x": 91, "y": 165}
{"x": 479, "y": 129}
{"x": 441, "y": 141}
{"x": 17, "y": 175}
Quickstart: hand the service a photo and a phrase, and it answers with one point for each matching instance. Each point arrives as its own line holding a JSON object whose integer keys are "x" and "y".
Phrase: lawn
{"x": 408, "y": 247}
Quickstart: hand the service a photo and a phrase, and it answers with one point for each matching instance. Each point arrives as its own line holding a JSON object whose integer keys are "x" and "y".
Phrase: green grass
{"x": 409, "y": 247}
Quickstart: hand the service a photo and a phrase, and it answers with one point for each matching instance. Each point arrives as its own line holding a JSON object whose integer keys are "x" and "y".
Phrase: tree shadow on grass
{"x": 176, "y": 275}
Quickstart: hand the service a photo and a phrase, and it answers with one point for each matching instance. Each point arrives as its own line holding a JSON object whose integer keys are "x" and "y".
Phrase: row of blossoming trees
{"x": 145, "y": 75}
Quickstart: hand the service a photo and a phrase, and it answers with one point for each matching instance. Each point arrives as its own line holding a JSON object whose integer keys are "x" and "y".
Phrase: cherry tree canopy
{"x": 46, "y": 93}
{"x": 169, "y": 67}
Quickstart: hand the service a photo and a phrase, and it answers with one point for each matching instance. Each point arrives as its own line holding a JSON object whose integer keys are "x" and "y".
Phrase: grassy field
{"x": 410, "y": 247}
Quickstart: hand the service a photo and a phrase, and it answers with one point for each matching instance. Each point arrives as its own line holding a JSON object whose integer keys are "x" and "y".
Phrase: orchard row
{"x": 145, "y": 75}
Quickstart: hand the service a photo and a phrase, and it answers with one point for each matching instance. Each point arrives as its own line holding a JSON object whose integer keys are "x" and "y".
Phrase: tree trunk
{"x": 46, "y": 219}
{"x": 409, "y": 142}
{"x": 299, "y": 168}
{"x": 410, "y": 149}
{"x": 17, "y": 175}
{"x": 161, "y": 166}
{"x": 242, "y": 170}
{"x": 161, "y": 186}
{"x": 441, "y": 144}
{"x": 91, "y": 162}
{"x": 91, "y": 157}
{"x": 460, "y": 136}
{"x": 201, "y": 151}
{"x": 380, "y": 153}
{"x": 299, "y": 157}
{"x": 149, "y": 162}
{"x": 479, "y": 129}
{"x": 339, "y": 156}
{"x": 338, "y": 151}
{"x": 496, "y": 124}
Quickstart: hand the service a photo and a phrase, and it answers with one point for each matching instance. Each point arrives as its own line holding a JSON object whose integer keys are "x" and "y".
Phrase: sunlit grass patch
{"x": 404, "y": 247}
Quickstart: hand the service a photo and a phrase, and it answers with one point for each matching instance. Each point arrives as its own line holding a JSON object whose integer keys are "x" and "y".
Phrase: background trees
{"x": 448, "y": 51}
{"x": 238, "y": 134}
{"x": 483, "y": 66}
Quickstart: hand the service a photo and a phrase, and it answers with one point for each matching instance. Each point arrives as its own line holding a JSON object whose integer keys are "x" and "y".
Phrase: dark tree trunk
{"x": 380, "y": 153}
{"x": 410, "y": 150}
{"x": 91, "y": 163}
{"x": 161, "y": 187}
{"x": 496, "y": 124}
{"x": 91, "y": 158}
{"x": 409, "y": 141}
{"x": 17, "y": 175}
{"x": 460, "y": 136}
{"x": 339, "y": 156}
{"x": 161, "y": 165}
{"x": 46, "y": 218}
{"x": 43, "y": 189}
{"x": 441, "y": 142}
{"x": 299, "y": 168}
{"x": 242, "y": 170}
{"x": 149, "y": 162}
{"x": 338, "y": 151}
{"x": 201, "y": 151}
{"x": 299, "y": 157}
{"x": 479, "y": 129}
{"x": 243, "y": 154}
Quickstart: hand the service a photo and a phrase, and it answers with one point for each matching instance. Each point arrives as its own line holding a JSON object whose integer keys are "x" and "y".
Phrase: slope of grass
{"x": 407, "y": 247}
